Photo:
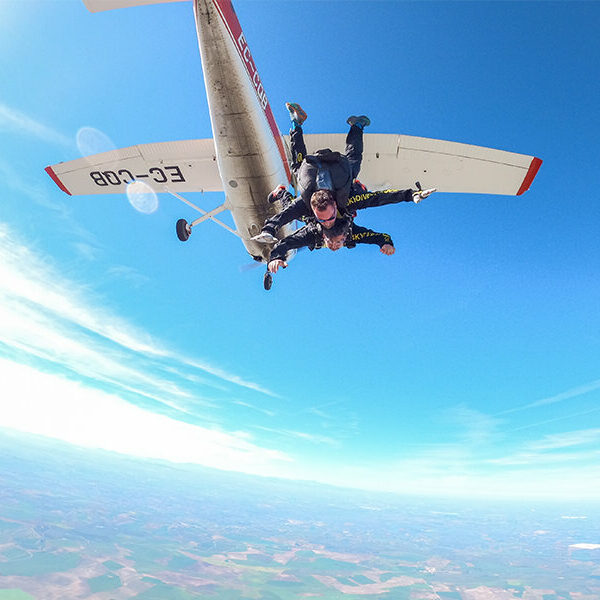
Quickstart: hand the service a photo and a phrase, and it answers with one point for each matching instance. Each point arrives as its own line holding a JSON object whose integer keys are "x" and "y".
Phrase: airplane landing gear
{"x": 268, "y": 281}
{"x": 183, "y": 230}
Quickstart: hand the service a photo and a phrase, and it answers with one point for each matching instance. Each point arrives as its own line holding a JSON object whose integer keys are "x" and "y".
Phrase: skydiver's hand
{"x": 422, "y": 194}
{"x": 265, "y": 237}
{"x": 387, "y": 249}
{"x": 275, "y": 264}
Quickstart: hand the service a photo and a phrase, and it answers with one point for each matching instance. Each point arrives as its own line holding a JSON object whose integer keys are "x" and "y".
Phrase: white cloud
{"x": 14, "y": 120}
{"x": 473, "y": 426}
{"x": 226, "y": 376}
{"x": 36, "y": 298}
{"x": 55, "y": 407}
{"x": 12, "y": 179}
{"x": 567, "y": 439}
{"x": 313, "y": 438}
{"x": 35, "y": 334}
{"x": 131, "y": 276}
{"x": 542, "y": 460}
{"x": 570, "y": 415}
{"x": 450, "y": 472}
{"x": 24, "y": 277}
{"x": 86, "y": 250}
{"x": 57, "y": 328}
{"x": 566, "y": 395}
{"x": 259, "y": 409}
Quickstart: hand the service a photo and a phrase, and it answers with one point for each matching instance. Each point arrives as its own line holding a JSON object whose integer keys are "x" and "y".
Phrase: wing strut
{"x": 206, "y": 214}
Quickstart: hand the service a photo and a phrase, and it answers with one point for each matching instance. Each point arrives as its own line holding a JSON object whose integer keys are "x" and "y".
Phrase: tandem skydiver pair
{"x": 329, "y": 194}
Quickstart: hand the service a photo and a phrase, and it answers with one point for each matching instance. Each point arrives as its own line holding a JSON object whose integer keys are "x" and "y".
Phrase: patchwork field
{"x": 107, "y": 528}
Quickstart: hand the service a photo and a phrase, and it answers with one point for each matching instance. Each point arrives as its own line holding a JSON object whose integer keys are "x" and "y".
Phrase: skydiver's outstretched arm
{"x": 306, "y": 236}
{"x": 379, "y": 198}
{"x": 367, "y": 199}
{"x": 362, "y": 235}
{"x": 296, "y": 210}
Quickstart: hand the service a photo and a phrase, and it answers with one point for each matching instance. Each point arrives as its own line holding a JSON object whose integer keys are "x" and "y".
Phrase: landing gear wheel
{"x": 183, "y": 230}
{"x": 268, "y": 281}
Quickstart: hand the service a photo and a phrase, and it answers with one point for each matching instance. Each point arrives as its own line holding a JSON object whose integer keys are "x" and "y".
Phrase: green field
{"x": 41, "y": 563}
{"x": 15, "y": 554}
{"x": 162, "y": 591}
{"x": 173, "y": 539}
{"x": 8, "y": 526}
{"x": 182, "y": 562}
{"x": 15, "y": 595}
{"x": 104, "y": 583}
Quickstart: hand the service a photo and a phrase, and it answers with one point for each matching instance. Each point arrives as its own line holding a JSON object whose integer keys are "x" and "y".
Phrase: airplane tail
{"x": 101, "y": 5}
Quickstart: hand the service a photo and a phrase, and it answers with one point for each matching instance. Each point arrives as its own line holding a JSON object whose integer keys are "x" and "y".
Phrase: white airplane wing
{"x": 183, "y": 166}
{"x": 398, "y": 161}
{"x": 101, "y": 5}
{"x": 389, "y": 161}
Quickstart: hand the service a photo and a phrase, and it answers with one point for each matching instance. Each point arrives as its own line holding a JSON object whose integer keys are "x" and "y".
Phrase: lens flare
{"x": 142, "y": 197}
{"x": 93, "y": 141}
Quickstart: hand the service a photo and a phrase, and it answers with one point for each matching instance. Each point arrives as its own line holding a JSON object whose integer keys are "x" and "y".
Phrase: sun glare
{"x": 142, "y": 197}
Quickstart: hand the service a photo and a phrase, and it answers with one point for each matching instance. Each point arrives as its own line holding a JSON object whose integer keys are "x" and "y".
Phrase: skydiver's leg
{"x": 297, "y": 116}
{"x": 354, "y": 149}
{"x": 379, "y": 198}
{"x": 292, "y": 209}
{"x": 298, "y": 147}
{"x": 354, "y": 142}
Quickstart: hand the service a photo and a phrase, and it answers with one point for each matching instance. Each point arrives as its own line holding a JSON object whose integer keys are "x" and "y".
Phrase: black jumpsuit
{"x": 358, "y": 200}
{"x": 311, "y": 236}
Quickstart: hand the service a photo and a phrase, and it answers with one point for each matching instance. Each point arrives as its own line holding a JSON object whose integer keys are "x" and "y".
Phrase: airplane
{"x": 248, "y": 157}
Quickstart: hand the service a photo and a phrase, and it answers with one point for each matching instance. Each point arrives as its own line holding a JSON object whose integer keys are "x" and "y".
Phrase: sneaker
{"x": 276, "y": 194}
{"x": 362, "y": 121}
{"x": 297, "y": 115}
{"x": 359, "y": 185}
{"x": 422, "y": 194}
{"x": 264, "y": 237}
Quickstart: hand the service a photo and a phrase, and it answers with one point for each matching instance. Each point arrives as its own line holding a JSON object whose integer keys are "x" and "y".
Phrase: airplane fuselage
{"x": 249, "y": 148}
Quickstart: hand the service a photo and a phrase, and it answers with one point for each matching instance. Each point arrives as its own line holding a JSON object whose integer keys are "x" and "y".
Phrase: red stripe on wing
{"x": 534, "y": 167}
{"x": 56, "y": 180}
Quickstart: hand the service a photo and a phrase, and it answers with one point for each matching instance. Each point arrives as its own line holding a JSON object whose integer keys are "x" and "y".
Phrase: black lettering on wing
{"x": 175, "y": 173}
{"x": 125, "y": 172}
{"x": 161, "y": 177}
{"x": 112, "y": 177}
{"x": 98, "y": 178}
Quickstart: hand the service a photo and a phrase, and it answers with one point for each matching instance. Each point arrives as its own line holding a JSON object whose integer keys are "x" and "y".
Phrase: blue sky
{"x": 467, "y": 363}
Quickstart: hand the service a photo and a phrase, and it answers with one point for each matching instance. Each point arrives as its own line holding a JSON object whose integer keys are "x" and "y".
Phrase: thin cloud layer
{"x": 575, "y": 392}
{"x": 35, "y": 296}
{"x": 18, "y": 122}
{"x": 52, "y": 406}
{"x": 568, "y": 439}
{"x": 222, "y": 374}
{"x": 79, "y": 362}
{"x": 70, "y": 366}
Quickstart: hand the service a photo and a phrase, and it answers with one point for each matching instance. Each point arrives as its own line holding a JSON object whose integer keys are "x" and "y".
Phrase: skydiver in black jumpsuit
{"x": 359, "y": 198}
{"x": 313, "y": 236}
